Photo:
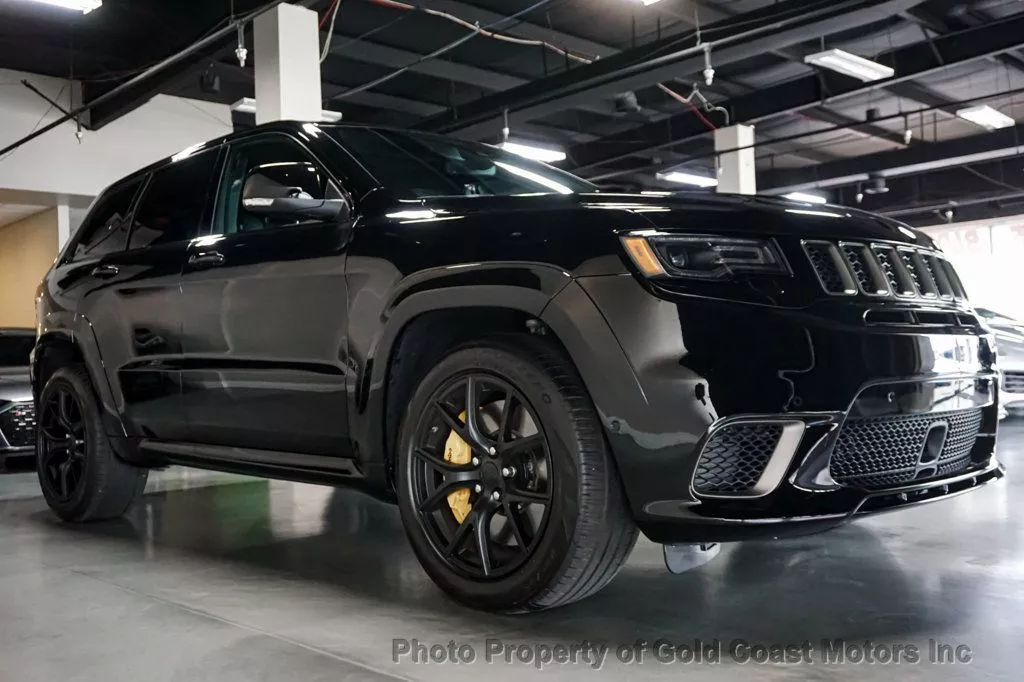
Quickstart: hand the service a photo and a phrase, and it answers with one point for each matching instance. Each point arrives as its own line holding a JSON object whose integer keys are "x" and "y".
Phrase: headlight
{"x": 707, "y": 257}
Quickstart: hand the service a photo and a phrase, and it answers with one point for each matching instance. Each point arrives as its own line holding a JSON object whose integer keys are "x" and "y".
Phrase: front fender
{"x": 378, "y": 319}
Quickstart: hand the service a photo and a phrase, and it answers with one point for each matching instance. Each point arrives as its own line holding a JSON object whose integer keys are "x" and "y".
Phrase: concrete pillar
{"x": 737, "y": 170}
{"x": 63, "y": 222}
{"x": 287, "y": 61}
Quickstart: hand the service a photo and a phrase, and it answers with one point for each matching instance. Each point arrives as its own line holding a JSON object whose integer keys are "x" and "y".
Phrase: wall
{"x": 988, "y": 256}
{"x": 27, "y": 249}
{"x": 57, "y": 163}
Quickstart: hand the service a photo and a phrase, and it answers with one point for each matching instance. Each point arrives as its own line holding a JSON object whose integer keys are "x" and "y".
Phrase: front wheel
{"x": 506, "y": 486}
{"x": 81, "y": 477}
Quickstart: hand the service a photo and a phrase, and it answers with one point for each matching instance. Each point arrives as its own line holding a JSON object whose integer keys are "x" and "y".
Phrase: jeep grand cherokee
{"x": 532, "y": 369}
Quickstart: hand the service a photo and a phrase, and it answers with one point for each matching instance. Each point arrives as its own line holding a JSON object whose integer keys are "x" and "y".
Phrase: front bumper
{"x": 672, "y": 368}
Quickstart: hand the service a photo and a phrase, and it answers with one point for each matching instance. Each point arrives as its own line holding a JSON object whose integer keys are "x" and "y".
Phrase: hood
{"x": 15, "y": 385}
{"x": 699, "y": 212}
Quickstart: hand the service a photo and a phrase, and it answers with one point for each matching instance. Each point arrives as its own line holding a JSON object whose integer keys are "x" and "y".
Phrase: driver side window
{"x": 272, "y": 167}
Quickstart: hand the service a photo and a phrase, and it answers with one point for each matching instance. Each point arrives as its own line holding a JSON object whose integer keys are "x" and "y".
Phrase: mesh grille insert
{"x": 735, "y": 457}
{"x": 938, "y": 274}
{"x": 911, "y": 266}
{"x": 18, "y": 425}
{"x": 893, "y": 272}
{"x": 826, "y": 262}
{"x": 884, "y": 452}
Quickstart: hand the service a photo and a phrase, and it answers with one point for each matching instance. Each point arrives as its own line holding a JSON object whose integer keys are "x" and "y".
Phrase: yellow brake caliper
{"x": 458, "y": 451}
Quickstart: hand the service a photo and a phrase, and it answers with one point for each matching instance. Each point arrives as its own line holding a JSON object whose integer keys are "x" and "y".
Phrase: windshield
{"x": 422, "y": 165}
{"x": 15, "y": 349}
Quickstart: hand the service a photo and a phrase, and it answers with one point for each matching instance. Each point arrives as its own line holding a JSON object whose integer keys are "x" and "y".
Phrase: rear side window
{"x": 174, "y": 203}
{"x": 106, "y": 229}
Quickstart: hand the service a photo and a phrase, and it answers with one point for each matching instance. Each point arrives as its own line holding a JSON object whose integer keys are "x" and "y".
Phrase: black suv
{"x": 532, "y": 369}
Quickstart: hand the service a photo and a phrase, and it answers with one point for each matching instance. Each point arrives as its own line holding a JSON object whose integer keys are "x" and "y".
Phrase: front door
{"x": 265, "y": 309}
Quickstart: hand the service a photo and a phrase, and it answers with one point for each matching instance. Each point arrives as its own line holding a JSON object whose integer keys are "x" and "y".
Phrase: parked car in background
{"x": 533, "y": 369}
{"x": 17, "y": 412}
{"x": 1010, "y": 344}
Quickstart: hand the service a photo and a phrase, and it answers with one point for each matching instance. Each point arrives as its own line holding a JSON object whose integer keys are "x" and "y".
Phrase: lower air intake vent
{"x": 735, "y": 457}
{"x": 1013, "y": 382}
{"x": 875, "y": 453}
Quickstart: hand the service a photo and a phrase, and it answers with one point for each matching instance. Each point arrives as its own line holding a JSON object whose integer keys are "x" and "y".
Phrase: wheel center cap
{"x": 490, "y": 474}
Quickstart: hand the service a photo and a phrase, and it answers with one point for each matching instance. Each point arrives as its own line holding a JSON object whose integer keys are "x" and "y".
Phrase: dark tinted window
{"x": 273, "y": 167}
{"x": 15, "y": 349}
{"x": 106, "y": 229}
{"x": 174, "y": 203}
{"x": 423, "y": 165}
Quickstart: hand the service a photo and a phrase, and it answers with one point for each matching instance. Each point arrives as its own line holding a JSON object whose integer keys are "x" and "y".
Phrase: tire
{"x": 106, "y": 485}
{"x": 589, "y": 531}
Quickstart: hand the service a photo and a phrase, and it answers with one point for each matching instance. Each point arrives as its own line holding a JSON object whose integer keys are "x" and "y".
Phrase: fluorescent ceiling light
{"x": 535, "y": 153}
{"x": 805, "y": 198}
{"x": 83, "y": 6}
{"x": 850, "y": 64}
{"x": 688, "y": 179}
{"x": 649, "y": 2}
{"x": 986, "y": 117}
{"x": 247, "y": 105}
{"x": 534, "y": 177}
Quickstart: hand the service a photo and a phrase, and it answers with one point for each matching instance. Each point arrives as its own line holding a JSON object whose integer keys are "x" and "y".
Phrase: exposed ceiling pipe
{"x": 170, "y": 61}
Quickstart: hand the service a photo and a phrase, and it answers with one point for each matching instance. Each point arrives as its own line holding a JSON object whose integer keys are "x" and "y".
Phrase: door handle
{"x": 105, "y": 271}
{"x": 206, "y": 259}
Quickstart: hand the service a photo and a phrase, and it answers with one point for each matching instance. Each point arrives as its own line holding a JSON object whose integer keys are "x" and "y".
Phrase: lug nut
{"x": 476, "y": 462}
{"x": 492, "y": 451}
{"x": 508, "y": 472}
{"x": 478, "y": 488}
{"x": 496, "y": 495}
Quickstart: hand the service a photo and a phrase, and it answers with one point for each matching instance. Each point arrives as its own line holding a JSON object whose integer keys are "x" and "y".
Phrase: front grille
{"x": 735, "y": 457}
{"x": 18, "y": 425}
{"x": 884, "y": 452}
{"x": 846, "y": 269}
{"x": 1013, "y": 382}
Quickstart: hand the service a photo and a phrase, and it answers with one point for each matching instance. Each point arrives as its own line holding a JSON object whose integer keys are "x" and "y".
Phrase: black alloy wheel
{"x": 81, "y": 476}
{"x": 62, "y": 443}
{"x": 507, "y": 489}
{"x": 491, "y": 528}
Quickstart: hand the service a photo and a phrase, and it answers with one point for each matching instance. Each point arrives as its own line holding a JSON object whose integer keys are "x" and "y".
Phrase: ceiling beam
{"x": 662, "y": 61}
{"x": 918, "y": 159}
{"x": 798, "y": 95}
{"x": 957, "y": 18}
{"x": 391, "y": 57}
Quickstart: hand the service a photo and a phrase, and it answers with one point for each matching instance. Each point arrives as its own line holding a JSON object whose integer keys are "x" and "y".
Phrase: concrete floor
{"x": 215, "y": 577}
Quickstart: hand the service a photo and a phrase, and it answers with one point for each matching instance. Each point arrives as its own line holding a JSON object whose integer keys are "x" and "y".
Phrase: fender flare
{"x": 522, "y": 287}
{"x": 83, "y": 339}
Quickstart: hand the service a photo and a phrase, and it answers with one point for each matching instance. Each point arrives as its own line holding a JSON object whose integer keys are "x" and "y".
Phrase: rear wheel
{"x": 81, "y": 477}
{"x": 506, "y": 486}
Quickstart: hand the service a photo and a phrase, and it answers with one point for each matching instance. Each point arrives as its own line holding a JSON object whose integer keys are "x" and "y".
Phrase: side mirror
{"x": 263, "y": 197}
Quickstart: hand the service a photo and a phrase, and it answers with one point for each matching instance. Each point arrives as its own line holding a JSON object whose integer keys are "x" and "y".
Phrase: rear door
{"x": 125, "y": 271}
{"x": 265, "y": 300}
